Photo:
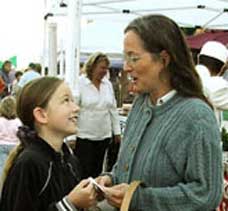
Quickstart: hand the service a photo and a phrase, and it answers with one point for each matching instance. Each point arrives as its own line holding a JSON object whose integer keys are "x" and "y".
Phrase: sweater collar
{"x": 161, "y": 108}
{"x": 165, "y": 97}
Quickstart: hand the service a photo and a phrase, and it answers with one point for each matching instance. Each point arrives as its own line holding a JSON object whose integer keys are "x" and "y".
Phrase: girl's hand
{"x": 83, "y": 195}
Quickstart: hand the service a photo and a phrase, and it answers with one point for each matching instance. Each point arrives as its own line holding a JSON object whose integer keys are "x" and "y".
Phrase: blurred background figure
{"x": 33, "y": 71}
{"x": 211, "y": 65}
{"x": 2, "y": 86}
{"x": 225, "y": 74}
{"x": 9, "y": 124}
{"x": 4, "y": 74}
{"x": 15, "y": 86}
{"x": 98, "y": 116}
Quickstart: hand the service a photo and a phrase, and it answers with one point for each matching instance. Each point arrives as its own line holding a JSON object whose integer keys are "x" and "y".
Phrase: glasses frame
{"x": 131, "y": 59}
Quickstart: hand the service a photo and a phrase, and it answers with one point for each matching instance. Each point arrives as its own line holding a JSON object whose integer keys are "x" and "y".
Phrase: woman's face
{"x": 143, "y": 67}
{"x": 100, "y": 70}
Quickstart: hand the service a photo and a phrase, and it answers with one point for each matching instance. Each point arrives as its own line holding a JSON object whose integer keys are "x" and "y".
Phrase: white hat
{"x": 215, "y": 50}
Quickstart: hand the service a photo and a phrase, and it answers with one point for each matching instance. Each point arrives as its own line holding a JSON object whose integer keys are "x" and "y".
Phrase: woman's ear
{"x": 165, "y": 57}
{"x": 40, "y": 115}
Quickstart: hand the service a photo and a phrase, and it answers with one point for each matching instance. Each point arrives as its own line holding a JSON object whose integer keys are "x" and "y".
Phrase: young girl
{"x": 41, "y": 173}
{"x": 9, "y": 124}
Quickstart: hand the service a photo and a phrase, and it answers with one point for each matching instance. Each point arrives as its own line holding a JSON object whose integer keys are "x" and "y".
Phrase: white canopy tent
{"x": 110, "y": 17}
{"x": 103, "y": 21}
{"x": 107, "y": 18}
{"x": 205, "y": 13}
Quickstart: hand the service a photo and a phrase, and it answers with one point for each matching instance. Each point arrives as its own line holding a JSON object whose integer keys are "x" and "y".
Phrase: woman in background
{"x": 98, "y": 117}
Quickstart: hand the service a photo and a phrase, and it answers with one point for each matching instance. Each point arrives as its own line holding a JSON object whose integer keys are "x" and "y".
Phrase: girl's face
{"x": 62, "y": 112}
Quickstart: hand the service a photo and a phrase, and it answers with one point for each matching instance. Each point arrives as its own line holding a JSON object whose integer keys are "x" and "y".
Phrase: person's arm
{"x": 216, "y": 89}
{"x": 2, "y": 84}
{"x": 21, "y": 191}
{"x": 63, "y": 205}
{"x": 82, "y": 196}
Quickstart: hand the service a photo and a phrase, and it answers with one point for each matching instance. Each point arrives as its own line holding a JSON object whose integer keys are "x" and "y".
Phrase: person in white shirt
{"x": 212, "y": 58}
{"x": 98, "y": 118}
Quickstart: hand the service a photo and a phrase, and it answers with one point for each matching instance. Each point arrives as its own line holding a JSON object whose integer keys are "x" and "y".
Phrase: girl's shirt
{"x": 40, "y": 179}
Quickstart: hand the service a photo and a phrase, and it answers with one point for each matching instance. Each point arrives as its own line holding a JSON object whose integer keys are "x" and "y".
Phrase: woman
{"x": 171, "y": 141}
{"x": 98, "y": 117}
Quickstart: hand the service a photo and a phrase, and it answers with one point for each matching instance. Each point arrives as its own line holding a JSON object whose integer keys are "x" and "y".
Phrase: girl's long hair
{"x": 36, "y": 93}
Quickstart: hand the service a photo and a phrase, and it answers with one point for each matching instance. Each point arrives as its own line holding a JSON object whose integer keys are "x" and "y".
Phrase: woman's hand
{"x": 83, "y": 195}
{"x": 105, "y": 181}
{"x": 116, "y": 193}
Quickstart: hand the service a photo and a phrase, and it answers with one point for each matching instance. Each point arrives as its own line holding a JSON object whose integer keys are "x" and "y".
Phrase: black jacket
{"x": 40, "y": 178}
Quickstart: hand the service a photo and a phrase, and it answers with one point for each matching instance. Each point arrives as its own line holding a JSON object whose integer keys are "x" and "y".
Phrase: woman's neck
{"x": 96, "y": 82}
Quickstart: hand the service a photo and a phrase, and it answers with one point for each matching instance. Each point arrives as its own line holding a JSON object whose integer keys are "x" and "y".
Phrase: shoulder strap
{"x": 127, "y": 198}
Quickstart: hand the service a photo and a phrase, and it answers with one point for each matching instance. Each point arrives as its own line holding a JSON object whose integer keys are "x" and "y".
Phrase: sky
{"x": 21, "y": 24}
{"x": 22, "y": 32}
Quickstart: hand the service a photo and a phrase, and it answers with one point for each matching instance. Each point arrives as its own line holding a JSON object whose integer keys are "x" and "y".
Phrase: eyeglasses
{"x": 131, "y": 59}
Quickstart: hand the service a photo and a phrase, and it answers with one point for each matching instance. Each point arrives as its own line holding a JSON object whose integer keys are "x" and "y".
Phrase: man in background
{"x": 212, "y": 58}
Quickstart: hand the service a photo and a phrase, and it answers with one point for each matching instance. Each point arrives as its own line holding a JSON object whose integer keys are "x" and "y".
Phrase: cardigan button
{"x": 126, "y": 167}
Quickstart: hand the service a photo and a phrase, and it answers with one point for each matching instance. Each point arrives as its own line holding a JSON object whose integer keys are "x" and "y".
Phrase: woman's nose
{"x": 126, "y": 67}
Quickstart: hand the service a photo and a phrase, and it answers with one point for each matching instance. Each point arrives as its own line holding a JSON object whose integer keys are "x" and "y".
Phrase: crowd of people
{"x": 12, "y": 81}
{"x": 171, "y": 142}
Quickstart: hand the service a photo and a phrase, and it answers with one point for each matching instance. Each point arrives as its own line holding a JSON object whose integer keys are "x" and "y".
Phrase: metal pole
{"x": 61, "y": 60}
{"x": 73, "y": 44}
{"x": 52, "y": 53}
{"x": 44, "y": 62}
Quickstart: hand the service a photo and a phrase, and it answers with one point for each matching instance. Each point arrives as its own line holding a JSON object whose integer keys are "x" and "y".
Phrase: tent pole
{"x": 73, "y": 44}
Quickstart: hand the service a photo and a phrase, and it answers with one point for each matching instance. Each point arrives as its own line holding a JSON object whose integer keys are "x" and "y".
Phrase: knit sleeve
{"x": 201, "y": 186}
